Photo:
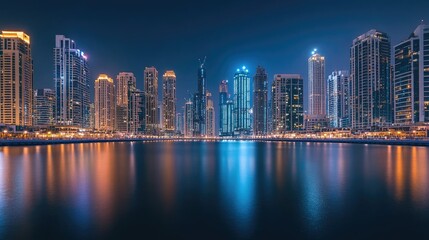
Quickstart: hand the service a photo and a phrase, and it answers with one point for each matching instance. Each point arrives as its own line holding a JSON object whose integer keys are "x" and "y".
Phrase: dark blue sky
{"x": 279, "y": 35}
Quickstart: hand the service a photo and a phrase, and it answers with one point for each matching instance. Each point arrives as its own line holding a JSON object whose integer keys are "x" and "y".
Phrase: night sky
{"x": 278, "y": 35}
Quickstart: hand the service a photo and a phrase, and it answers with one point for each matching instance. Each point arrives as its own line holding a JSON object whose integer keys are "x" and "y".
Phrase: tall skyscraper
{"x": 188, "y": 116}
{"x": 71, "y": 83}
{"x": 200, "y": 102}
{"x": 210, "y": 116}
{"x": 136, "y": 110}
{"x": 288, "y": 103}
{"x": 169, "y": 101}
{"x": 411, "y": 83}
{"x": 124, "y": 81}
{"x": 151, "y": 99}
{"x": 16, "y": 79}
{"x": 370, "y": 80}
{"x": 242, "y": 105}
{"x": 338, "y": 99}
{"x": 316, "y": 85}
{"x": 105, "y": 103}
{"x": 44, "y": 107}
{"x": 260, "y": 102}
{"x": 226, "y": 106}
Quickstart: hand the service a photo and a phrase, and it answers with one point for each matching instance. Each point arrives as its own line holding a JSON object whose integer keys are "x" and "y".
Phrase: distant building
{"x": 124, "y": 81}
{"x": 179, "y": 123}
{"x": 71, "y": 84}
{"x": 242, "y": 104}
{"x": 105, "y": 103}
{"x": 287, "y": 103}
{"x": 188, "y": 119}
{"x": 260, "y": 102}
{"x": 338, "y": 87}
{"x": 151, "y": 101}
{"x": 169, "y": 101}
{"x": 16, "y": 79}
{"x": 210, "y": 116}
{"x": 226, "y": 107}
{"x": 370, "y": 80}
{"x": 411, "y": 82}
{"x": 44, "y": 107}
{"x": 200, "y": 103}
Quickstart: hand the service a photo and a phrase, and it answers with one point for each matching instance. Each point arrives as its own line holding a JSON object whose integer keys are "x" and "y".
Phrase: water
{"x": 214, "y": 190}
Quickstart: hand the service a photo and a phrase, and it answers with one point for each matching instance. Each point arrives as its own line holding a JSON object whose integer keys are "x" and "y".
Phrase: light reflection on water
{"x": 240, "y": 189}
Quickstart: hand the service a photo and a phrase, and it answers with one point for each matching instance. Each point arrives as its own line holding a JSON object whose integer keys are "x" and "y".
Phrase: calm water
{"x": 216, "y": 190}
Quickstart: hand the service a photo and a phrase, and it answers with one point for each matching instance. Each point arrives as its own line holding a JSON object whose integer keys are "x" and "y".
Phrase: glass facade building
{"x": 242, "y": 104}
{"x": 370, "y": 80}
{"x": 260, "y": 102}
{"x": 200, "y": 103}
{"x": 338, "y": 89}
{"x": 287, "y": 103}
{"x": 226, "y": 126}
{"x": 151, "y": 100}
{"x": 411, "y": 81}
{"x": 44, "y": 107}
{"x": 169, "y": 101}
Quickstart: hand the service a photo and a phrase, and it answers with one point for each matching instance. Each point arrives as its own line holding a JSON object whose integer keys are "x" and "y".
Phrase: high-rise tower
{"x": 260, "y": 102}
{"x": 105, "y": 103}
{"x": 151, "y": 99}
{"x": 200, "y": 104}
{"x": 169, "y": 101}
{"x": 242, "y": 105}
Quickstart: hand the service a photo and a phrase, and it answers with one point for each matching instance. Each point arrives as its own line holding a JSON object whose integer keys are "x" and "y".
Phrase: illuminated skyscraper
{"x": 316, "y": 85}
{"x": 44, "y": 107}
{"x": 188, "y": 119}
{"x": 169, "y": 101}
{"x": 370, "y": 80}
{"x": 242, "y": 105}
{"x": 210, "y": 116}
{"x": 226, "y": 106}
{"x": 200, "y": 102}
{"x": 260, "y": 102}
{"x": 151, "y": 101}
{"x": 16, "y": 79}
{"x": 124, "y": 81}
{"x": 71, "y": 83}
{"x": 105, "y": 103}
{"x": 288, "y": 103}
{"x": 136, "y": 110}
{"x": 338, "y": 99}
{"x": 411, "y": 83}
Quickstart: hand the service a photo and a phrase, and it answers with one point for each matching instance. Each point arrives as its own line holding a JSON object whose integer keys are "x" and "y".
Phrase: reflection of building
{"x": 169, "y": 101}
{"x": 200, "y": 104}
{"x": 338, "y": 99}
{"x": 16, "y": 79}
{"x": 370, "y": 80}
{"x": 210, "y": 116}
{"x": 260, "y": 102}
{"x": 411, "y": 83}
{"x": 151, "y": 101}
{"x": 124, "y": 81}
{"x": 188, "y": 117}
{"x": 226, "y": 106}
{"x": 105, "y": 103}
{"x": 288, "y": 103}
{"x": 71, "y": 83}
{"x": 242, "y": 105}
{"x": 44, "y": 107}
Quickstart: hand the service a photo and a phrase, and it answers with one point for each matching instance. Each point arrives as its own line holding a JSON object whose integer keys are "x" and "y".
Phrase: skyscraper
{"x": 288, "y": 103}
{"x": 151, "y": 99}
{"x": 411, "y": 83}
{"x": 124, "y": 81}
{"x": 370, "y": 80}
{"x": 188, "y": 116}
{"x": 16, "y": 79}
{"x": 169, "y": 101}
{"x": 71, "y": 83}
{"x": 242, "y": 105}
{"x": 338, "y": 99}
{"x": 260, "y": 102}
{"x": 136, "y": 110}
{"x": 226, "y": 106}
{"x": 105, "y": 103}
{"x": 179, "y": 123}
{"x": 200, "y": 102}
{"x": 210, "y": 116}
{"x": 44, "y": 107}
{"x": 316, "y": 85}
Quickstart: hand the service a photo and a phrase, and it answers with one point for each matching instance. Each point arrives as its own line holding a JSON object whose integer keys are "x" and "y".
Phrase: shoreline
{"x": 41, "y": 142}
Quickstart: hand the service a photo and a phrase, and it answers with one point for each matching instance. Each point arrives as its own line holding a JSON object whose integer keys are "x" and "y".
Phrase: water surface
{"x": 214, "y": 190}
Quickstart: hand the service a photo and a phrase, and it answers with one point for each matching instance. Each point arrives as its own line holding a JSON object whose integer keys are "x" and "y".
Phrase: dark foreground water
{"x": 214, "y": 190}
